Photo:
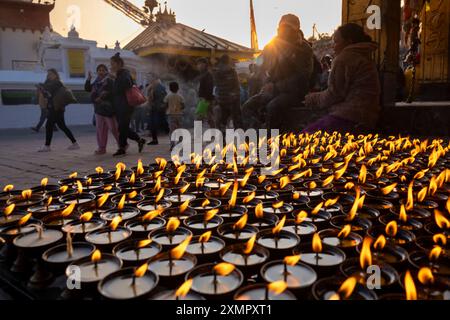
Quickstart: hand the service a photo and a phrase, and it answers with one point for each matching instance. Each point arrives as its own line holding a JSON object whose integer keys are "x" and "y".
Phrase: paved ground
{"x": 23, "y": 167}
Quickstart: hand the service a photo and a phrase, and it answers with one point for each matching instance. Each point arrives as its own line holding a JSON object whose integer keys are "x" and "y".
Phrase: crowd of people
{"x": 287, "y": 74}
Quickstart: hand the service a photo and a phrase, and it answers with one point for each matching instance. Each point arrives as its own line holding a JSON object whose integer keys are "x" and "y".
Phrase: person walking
{"x": 58, "y": 97}
{"x": 175, "y": 107}
{"x": 122, "y": 83}
{"x": 101, "y": 95}
{"x": 228, "y": 94}
{"x": 205, "y": 93}
{"x": 157, "y": 94}
{"x": 42, "y": 102}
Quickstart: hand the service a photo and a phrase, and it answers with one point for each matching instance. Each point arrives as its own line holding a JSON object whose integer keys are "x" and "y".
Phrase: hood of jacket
{"x": 362, "y": 48}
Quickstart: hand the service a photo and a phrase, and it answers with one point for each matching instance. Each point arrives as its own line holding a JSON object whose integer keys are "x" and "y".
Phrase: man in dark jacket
{"x": 228, "y": 94}
{"x": 206, "y": 89}
{"x": 287, "y": 63}
{"x": 156, "y": 94}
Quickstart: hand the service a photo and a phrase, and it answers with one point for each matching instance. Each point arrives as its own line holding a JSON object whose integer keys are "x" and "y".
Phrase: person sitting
{"x": 353, "y": 94}
{"x": 287, "y": 64}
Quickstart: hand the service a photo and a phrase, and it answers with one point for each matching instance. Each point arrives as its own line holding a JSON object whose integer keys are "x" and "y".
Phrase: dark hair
{"x": 354, "y": 33}
{"x": 117, "y": 59}
{"x": 225, "y": 59}
{"x": 174, "y": 87}
{"x": 55, "y": 72}
{"x": 100, "y": 66}
{"x": 203, "y": 60}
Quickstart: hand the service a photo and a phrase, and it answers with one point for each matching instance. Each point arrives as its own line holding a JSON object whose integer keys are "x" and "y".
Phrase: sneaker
{"x": 153, "y": 143}
{"x": 99, "y": 152}
{"x": 141, "y": 144}
{"x": 35, "y": 129}
{"x": 45, "y": 149}
{"x": 74, "y": 146}
{"x": 119, "y": 152}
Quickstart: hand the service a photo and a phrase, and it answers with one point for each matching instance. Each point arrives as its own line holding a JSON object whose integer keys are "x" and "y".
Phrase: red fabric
{"x": 135, "y": 97}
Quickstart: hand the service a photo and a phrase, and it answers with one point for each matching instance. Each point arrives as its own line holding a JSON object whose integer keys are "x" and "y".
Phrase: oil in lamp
{"x": 124, "y": 212}
{"x": 324, "y": 259}
{"x": 278, "y": 241}
{"x": 8, "y": 192}
{"x": 215, "y": 281}
{"x": 272, "y": 291}
{"x": 47, "y": 209}
{"x": 262, "y": 218}
{"x": 300, "y": 226}
{"x": 298, "y": 202}
{"x": 86, "y": 223}
{"x": 150, "y": 221}
{"x": 414, "y": 210}
{"x": 431, "y": 287}
{"x": 26, "y": 199}
{"x": 94, "y": 268}
{"x": 135, "y": 252}
{"x": 337, "y": 288}
{"x": 247, "y": 256}
{"x": 409, "y": 287}
{"x": 157, "y": 203}
{"x": 435, "y": 260}
{"x": 11, "y": 215}
{"x": 60, "y": 217}
{"x": 171, "y": 235}
{"x": 237, "y": 232}
{"x": 24, "y": 225}
{"x": 131, "y": 198}
{"x": 357, "y": 268}
{"x": 388, "y": 253}
{"x": 203, "y": 222}
{"x": 109, "y": 236}
{"x": 182, "y": 212}
{"x": 427, "y": 243}
{"x": 393, "y": 234}
{"x": 171, "y": 266}
{"x": 299, "y": 277}
{"x": 101, "y": 176}
{"x": 128, "y": 283}
{"x": 344, "y": 239}
{"x": 181, "y": 293}
{"x": 441, "y": 224}
{"x": 205, "y": 247}
{"x": 403, "y": 221}
{"x": 201, "y": 205}
{"x": 46, "y": 189}
{"x": 79, "y": 198}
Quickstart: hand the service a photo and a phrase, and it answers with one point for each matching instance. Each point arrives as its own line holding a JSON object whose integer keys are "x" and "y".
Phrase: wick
{"x": 133, "y": 283}
{"x": 137, "y": 251}
{"x": 109, "y": 236}
{"x": 276, "y": 238}
{"x": 215, "y": 282}
{"x": 266, "y": 296}
{"x": 40, "y": 231}
{"x": 245, "y": 259}
{"x": 170, "y": 264}
{"x": 285, "y": 272}
{"x": 69, "y": 247}
{"x": 83, "y": 227}
{"x": 170, "y": 236}
{"x": 202, "y": 246}
{"x": 179, "y": 195}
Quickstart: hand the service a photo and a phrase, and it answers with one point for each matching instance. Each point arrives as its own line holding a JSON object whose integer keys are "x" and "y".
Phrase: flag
{"x": 254, "y": 35}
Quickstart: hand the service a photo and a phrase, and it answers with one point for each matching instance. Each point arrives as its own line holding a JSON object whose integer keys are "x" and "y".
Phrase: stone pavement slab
{"x": 22, "y": 166}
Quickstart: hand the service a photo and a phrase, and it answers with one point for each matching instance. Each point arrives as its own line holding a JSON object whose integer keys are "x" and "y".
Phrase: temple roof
{"x": 177, "y": 38}
{"x": 25, "y": 15}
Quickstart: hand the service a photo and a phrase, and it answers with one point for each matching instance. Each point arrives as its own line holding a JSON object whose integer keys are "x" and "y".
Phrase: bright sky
{"x": 225, "y": 18}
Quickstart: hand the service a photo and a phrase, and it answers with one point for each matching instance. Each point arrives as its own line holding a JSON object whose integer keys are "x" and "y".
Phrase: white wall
{"x": 27, "y": 116}
{"x": 17, "y": 45}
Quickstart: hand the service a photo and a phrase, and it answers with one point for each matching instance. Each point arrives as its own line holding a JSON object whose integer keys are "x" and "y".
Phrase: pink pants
{"x": 104, "y": 125}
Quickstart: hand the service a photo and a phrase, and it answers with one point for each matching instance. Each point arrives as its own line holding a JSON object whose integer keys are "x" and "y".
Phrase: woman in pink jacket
{"x": 353, "y": 94}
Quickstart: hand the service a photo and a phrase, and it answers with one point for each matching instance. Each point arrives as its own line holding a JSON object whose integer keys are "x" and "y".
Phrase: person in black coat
{"x": 206, "y": 89}
{"x": 122, "y": 83}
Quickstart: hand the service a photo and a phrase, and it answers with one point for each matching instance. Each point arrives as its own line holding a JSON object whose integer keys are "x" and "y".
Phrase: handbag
{"x": 135, "y": 97}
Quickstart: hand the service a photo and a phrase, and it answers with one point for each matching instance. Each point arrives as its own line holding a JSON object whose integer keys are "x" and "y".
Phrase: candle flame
{"x": 441, "y": 221}
{"x": 102, "y": 200}
{"x": 210, "y": 214}
{"x": 249, "y": 245}
{"x": 140, "y": 168}
{"x": 132, "y": 195}
{"x": 410, "y": 198}
{"x": 284, "y": 181}
{"x": 178, "y": 252}
{"x": 365, "y": 257}
{"x": 223, "y": 189}
{"x": 344, "y": 233}
{"x": 99, "y": 170}
{"x": 300, "y": 217}
{"x": 388, "y": 189}
{"x": 8, "y": 188}
{"x": 435, "y": 253}
{"x": 422, "y": 194}
{"x": 184, "y": 289}
{"x": 140, "y": 272}
{"x": 249, "y": 198}
{"x": 316, "y": 243}
{"x": 259, "y": 211}
{"x": 87, "y": 216}
{"x": 115, "y": 223}
{"x": 328, "y": 181}
{"x": 24, "y": 219}
{"x": 205, "y": 203}
{"x": 161, "y": 162}
{"x": 132, "y": 179}
{"x": 331, "y": 202}
{"x": 349, "y": 186}
{"x": 79, "y": 187}
{"x": 312, "y": 185}
{"x": 9, "y": 209}
{"x": 184, "y": 206}
{"x": 391, "y": 228}
{"x": 26, "y": 194}
{"x": 241, "y": 223}
{"x": 205, "y": 237}
{"x": 277, "y": 287}
{"x": 278, "y": 205}
{"x": 108, "y": 188}
{"x": 380, "y": 243}
{"x": 89, "y": 181}
{"x": 160, "y": 195}
{"x": 317, "y": 208}
{"x": 261, "y": 179}
{"x": 121, "y": 203}
{"x": 223, "y": 269}
{"x": 403, "y": 216}
{"x": 185, "y": 188}
{"x": 172, "y": 224}
{"x": 96, "y": 256}
{"x": 63, "y": 189}
{"x": 440, "y": 239}
{"x": 280, "y": 225}
{"x": 246, "y": 177}
{"x": 143, "y": 243}
{"x": 232, "y": 201}
{"x": 68, "y": 210}
{"x": 425, "y": 276}
{"x": 292, "y": 260}
{"x": 73, "y": 175}
{"x": 149, "y": 216}
{"x": 296, "y": 196}
{"x": 118, "y": 173}
{"x": 44, "y": 182}
{"x": 410, "y": 287}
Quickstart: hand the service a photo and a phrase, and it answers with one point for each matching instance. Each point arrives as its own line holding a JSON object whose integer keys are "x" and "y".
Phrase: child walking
{"x": 175, "y": 106}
